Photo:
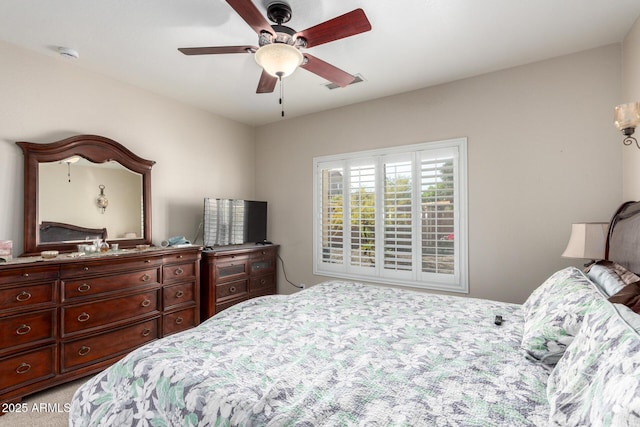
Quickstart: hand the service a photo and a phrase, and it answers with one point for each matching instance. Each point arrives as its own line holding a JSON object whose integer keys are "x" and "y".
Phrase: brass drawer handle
{"x": 179, "y": 257}
{"x": 25, "y": 274}
{"x": 23, "y": 368}
{"x": 178, "y": 271}
{"x": 147, "y": 261}
{"x": 179, "y": 320}
{"x": 23, "y": 296}
{"x": 263, "y": 281}
{"x": 85, "y": 268}
{"x": 23, "y": 330}
{"x": 84, "y": 287}
{"x": 84, "y": 350}
{"x": 146, "y": 332}
{"x": 232, "y": 289}
{"x": 146, "y": 302}
{"x": 146, "y": 277}
{"x": 83, "y": 317}
{"x": 179, "y": 294}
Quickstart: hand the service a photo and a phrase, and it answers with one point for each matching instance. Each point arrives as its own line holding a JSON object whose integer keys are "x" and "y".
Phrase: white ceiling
{"x": 412, "y": 44}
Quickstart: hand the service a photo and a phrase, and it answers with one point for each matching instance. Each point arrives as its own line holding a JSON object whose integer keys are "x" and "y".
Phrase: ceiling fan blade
{"x": 349, "y": 24}
{"x": 267, "y": 83}
{"x": 252, "y": 16}
{"x": 214, "y": 50}
{"x": 327, "y": 71}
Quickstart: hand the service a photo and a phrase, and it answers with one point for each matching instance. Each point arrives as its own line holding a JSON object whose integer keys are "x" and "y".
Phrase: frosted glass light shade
{"x": 279, "y": 59}
{"x": 587, "y": 240}
{"x": 627, "y": 115}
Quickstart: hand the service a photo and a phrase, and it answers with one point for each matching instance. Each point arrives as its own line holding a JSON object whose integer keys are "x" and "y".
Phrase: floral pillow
{"x": 553, "y": 314}
{"x": 597, "y": 381}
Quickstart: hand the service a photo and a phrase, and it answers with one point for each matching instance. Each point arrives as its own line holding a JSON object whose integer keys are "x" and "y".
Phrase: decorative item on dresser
{"x": 64, "y": 318}
{"x": 231, "y": 274}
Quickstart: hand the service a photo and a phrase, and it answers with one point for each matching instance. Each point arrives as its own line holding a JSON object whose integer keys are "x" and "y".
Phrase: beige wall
{"x": 631, "y": 93}
{"x": 197, "y": 154}
{"x": 542, "y": 154}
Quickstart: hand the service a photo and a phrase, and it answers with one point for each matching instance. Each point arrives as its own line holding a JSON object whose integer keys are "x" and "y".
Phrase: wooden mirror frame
{"x": 96, "y": 149}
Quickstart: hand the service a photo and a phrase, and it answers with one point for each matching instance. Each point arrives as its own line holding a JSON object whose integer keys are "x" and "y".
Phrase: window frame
{"x": 456, "y": 282}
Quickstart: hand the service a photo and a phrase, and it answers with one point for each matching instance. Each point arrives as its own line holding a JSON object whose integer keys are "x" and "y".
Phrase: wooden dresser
{"x": 236, "y": 273}
{"x": 64, "y": 318}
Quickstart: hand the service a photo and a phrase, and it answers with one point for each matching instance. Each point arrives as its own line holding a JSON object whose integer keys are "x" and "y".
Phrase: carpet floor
{"x": 47, "y": 408}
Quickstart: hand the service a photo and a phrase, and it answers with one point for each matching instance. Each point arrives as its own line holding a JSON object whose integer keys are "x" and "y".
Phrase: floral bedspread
{"x": 336, "y": 354}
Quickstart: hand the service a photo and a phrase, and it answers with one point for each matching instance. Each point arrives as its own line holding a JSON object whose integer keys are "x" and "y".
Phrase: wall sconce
{"x": 626, "y": 119}
{"x": 103, "y": 202}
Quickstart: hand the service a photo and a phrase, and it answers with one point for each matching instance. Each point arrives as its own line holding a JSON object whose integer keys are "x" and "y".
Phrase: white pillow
{"x": 611, "y": 277}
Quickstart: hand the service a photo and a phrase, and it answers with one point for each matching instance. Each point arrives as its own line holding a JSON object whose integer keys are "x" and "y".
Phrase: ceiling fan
{"x": 279, "y": 51}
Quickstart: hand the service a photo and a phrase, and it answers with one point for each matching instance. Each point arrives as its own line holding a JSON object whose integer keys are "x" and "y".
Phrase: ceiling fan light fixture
{"x": 279, "y": 59}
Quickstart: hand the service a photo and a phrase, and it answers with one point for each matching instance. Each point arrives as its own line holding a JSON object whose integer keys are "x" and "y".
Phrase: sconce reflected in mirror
{"x": 103, "y": 202}
{"x": 626, "y": 119}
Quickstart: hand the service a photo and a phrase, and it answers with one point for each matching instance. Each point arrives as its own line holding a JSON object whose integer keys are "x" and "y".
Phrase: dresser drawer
{"x": 179, "y": 321}
{"x": 107, "y": 345}
{"x": 27, "y": 295}
{"x": 27, "y": 328}
{"x": 231, "y": 267}
{"x": 89, "y": 286}
{"x": 231, "y": 290}
{"x": 263, "y": 284}
{"x": 192, "y": 256}
{"x": 105, "y": 266}
{"x": 179, "y": 294}
{"x": 265, "y": 253}
{"x": 229, "y": 303}
{"x": 178, "y": 272}
{"x": 29, "y": 275}
{"x": 102, "y": 312}
{"x": 27, "y": 367}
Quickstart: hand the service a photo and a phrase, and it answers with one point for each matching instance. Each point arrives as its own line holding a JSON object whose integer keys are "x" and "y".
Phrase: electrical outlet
{"x": 302, "y": 286}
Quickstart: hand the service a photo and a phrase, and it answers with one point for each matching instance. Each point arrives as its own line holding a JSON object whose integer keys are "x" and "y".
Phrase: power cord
{"x": 285, "y": 275}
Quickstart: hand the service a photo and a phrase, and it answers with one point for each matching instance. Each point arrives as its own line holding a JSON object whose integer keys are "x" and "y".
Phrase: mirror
{"x": 82, "y": 188}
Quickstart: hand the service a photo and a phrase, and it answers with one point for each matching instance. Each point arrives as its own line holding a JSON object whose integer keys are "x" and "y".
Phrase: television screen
{"x": 234, "y": 222}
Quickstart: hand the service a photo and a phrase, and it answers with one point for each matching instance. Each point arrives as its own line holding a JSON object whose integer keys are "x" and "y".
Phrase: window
{"x": 396, "y": 215}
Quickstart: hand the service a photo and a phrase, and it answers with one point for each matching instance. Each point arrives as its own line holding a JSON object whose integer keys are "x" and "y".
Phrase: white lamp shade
{"x": 279, "y": 59}
{"x": 587, "y": 240}
{"x": 627, "y": 115}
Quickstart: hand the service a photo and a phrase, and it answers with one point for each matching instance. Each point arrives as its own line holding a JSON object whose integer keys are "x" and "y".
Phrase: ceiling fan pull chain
{"x": 281, "y": 96}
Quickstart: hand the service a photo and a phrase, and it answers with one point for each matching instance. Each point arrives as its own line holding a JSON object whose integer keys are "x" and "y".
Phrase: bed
{"x": 55, "y": 232}
{"x": 350, "y": 354}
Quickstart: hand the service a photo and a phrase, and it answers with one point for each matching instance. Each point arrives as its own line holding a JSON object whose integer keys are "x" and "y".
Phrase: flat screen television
{"x": 234, "y": 222}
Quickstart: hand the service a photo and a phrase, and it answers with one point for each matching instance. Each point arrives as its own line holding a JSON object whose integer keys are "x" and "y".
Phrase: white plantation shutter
{"x": 394, "y": 216}
{"x": 331, "y": 218}
{"x": 398, "y": 215}
{"x": 362, "y": 214}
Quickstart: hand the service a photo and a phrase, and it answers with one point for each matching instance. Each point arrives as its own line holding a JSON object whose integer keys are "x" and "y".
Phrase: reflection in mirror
{"x": 68, "y": 193}
{"x": 85, "y": 186}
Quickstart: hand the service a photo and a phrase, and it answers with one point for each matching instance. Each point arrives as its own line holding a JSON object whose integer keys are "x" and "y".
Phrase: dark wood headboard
{"x": 60, "y": 232}
{"x": 623, "y": 241}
